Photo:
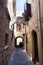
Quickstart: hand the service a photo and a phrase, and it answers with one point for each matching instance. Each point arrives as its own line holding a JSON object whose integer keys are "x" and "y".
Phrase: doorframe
{"x": 33, "y": 53}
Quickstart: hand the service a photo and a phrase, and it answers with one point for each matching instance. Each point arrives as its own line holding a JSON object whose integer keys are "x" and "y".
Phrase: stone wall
{"x": 5, "y": 49}
{"x": 34, "y": 24}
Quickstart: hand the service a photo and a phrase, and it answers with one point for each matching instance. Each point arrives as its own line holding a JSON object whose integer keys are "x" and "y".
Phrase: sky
{"x": 20, "y": 5}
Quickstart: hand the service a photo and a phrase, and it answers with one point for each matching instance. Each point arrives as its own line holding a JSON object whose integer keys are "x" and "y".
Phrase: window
{"x": 6, "y": 39}
{"x": 12, "y": 31}
{"x": 27, "y": 11}
{"x": 12, "y": 35}
{"x": 19, "y": 26}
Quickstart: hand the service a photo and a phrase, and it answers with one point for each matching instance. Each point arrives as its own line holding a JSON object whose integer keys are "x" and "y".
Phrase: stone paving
{"x": 19, "y": 57}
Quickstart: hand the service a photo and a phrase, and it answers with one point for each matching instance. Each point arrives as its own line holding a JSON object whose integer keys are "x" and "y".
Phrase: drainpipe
{"x": 25, "y": 36}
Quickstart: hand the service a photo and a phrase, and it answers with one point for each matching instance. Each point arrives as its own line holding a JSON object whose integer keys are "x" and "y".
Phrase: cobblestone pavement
{"x": 19, "y": 57}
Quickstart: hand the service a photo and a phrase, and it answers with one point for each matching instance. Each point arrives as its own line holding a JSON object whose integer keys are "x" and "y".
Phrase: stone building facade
{"x": 6, "y": 40}
{"x": 35, "y": 33}
{"x": 19, "y": 30}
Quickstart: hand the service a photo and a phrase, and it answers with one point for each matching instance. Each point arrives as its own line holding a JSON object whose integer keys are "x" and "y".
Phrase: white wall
{"x": 10, "y": 8}
{"x": 19, "y": 40}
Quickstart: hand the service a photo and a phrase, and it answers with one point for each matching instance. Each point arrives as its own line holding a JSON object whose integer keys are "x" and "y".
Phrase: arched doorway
{"x": 35, "y": 56}
{"x": 19, "y": 42}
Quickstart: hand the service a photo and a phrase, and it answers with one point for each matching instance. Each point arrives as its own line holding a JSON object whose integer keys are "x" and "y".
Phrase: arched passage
{"x": 19, "y": 42}
{"x": 35, "y": 55}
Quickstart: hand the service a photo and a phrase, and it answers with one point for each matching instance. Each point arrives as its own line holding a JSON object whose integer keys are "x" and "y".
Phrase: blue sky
{"x": 20, "y": 5}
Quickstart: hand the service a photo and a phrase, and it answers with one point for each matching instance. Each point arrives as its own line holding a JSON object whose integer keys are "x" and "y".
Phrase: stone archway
{"x": 35, "y": 56}
{"x": 19, "y": 42}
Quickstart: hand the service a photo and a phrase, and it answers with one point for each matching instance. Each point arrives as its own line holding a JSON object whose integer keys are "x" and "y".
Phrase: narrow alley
{"x": 19, "y": 57}
{"x": 21, "y": 32}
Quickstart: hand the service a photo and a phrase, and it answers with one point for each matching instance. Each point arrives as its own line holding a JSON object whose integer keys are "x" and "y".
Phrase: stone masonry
{"x": 36, "y": 24}
{"x": 6, "y": 40}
